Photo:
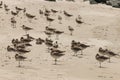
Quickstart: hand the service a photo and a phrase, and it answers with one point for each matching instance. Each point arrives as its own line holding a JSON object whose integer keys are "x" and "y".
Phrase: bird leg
{"x": 19, "y": 64}
{"x": 55, "y": 61}
{"x": 100, "y": 65}
{"x": 71, "y": 33}
{"x": 109, "y": 60}
{"x": 81, "y": 52}
{"x": 60, "y": 22}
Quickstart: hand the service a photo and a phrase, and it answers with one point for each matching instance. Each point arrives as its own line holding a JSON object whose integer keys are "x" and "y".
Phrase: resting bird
{"x": 67, "y": 14}
{"x": 101, "y": 59}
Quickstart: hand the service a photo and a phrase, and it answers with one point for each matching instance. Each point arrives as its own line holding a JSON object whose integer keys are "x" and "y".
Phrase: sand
{"x": 101, "y": 28}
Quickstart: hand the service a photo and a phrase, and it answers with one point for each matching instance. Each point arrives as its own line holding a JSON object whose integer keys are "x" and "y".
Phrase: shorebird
{"x": 67, "y": 14}
{"x": 111, "y": 54}
{"x": 9, "y": 48}
{"x": 50, "y": 29}
{"x": 60, "y": 19}
{"x": 75, "y": 49}
{"x": 55, "y": 45}
{"x": 71, "y": 30}
{"x": 25, "y": 28}
{"x": 13, "y": 22}
{"x": 14, "y": 13}
{"x": 58, "y": 33}
{"x": 18, "y": 9}
{"x": 57, "y": 54}
{"x": 101, "y": 59}
{"x": 19, "y": 58}
{"x": 49, "y": 19}
{"x": 48, "y": 43}
{"x": 29, "y": 16}
{"x": 39, "y": 41}
{"x": 48, "y": 33}
{"x": 74, "y": 42}
{"x": 78, "y": 21}
{"x": 25, "y": 40}
{"x": 54, "y": 11}
{"x": 102, "y": 51}
{"x": 82, "y": 46}
{"x": 41, "y": 12}
{"x": 5, "y": 6}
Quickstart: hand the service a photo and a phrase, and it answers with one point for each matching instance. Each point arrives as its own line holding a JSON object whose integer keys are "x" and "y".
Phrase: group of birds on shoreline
{"x": 21, "y": 46}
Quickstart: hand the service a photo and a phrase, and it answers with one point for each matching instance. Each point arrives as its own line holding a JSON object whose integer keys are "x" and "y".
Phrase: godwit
{"x": 19, "y": 58}
{"x": 101, "y": 59}
{"x": 71, "y": 30}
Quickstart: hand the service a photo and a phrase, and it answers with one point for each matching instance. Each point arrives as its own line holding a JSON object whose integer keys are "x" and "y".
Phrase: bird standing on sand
{"x": 56, "y": 54}
{"x": 60, "y": 19}
{"x": 13, "y": 22}
{"x": 71, "y": 30}
{"x": 101, "y": 59}
{"x": 58, "y": 33}
{"x": 25, "y": 28}
{"x": 19, "y": 58}
{"x": 49, "y": 19}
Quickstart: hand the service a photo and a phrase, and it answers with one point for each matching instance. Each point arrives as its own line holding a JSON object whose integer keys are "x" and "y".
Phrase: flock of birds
{"x": 20, "y": 45}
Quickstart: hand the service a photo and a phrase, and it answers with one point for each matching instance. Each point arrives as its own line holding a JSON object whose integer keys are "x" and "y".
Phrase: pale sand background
{"x": 101, "y": 28}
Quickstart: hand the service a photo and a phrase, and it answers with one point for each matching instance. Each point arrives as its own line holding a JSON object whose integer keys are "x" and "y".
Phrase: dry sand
{"x": 101, "y": 28}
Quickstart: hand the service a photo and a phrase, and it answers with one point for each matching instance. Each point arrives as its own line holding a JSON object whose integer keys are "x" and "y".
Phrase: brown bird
{"x": 48, "y": 33}
{"x": 18, "y": 9}
{"x": 71, "y": 30}
{"x": 49, "y": 19}
{"x": 25, "y": 28}
{"x": 19, "y": 58}
{"x": 60, "y": 19}
{"x": 78, "y": 21}
{"x": 57, "y": 54}
{"x": 54, "y": 11}
{"x": 58, "y": 33}
{"x": 50, "y": 29}
{"x": 13, "y": 21}
{"x": 101, "y": 59}
{"x": 14, "y": 13}
{"x": 30, "y": 16}
{"x": 67, "y": 14}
